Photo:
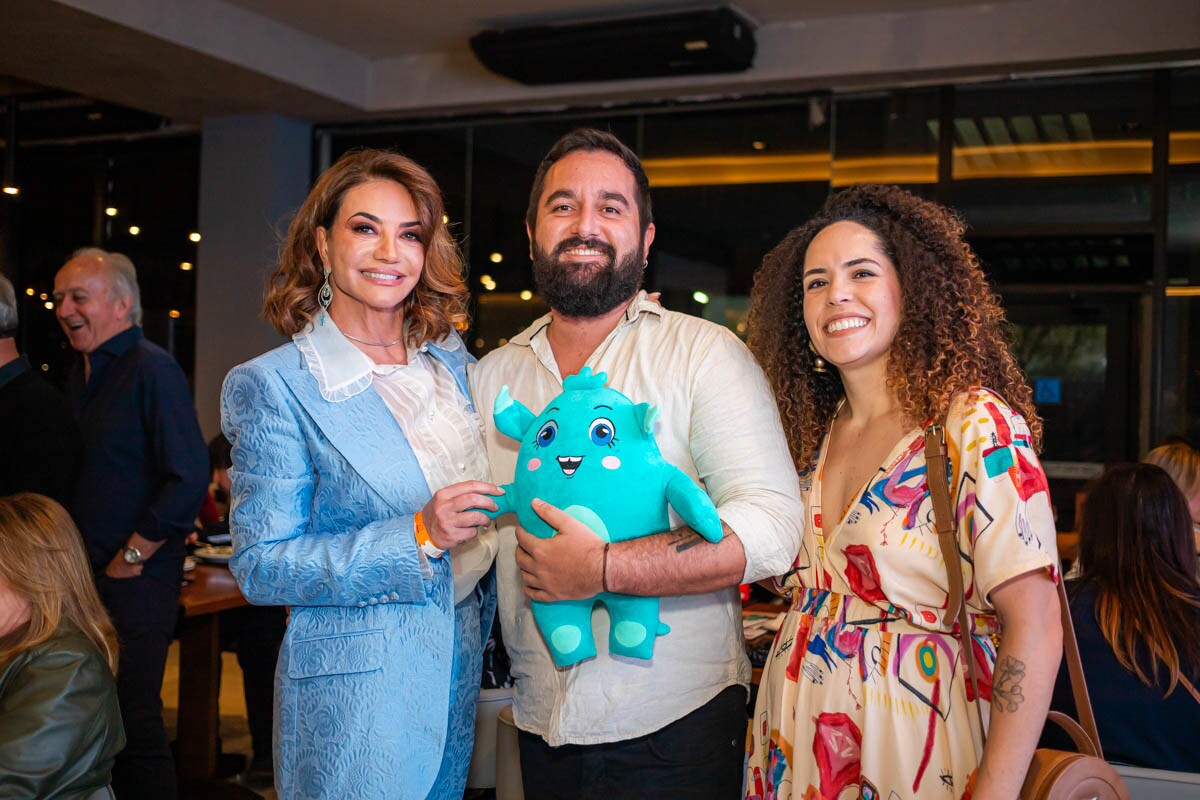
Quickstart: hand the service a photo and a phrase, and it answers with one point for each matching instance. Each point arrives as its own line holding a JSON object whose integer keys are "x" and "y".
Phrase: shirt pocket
{"x": 346, "y": 654}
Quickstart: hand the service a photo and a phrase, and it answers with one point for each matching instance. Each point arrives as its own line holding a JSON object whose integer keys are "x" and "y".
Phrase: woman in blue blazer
{"x": 356, "y": 458}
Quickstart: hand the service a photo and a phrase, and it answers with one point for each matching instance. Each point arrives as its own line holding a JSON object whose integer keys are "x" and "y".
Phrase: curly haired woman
{"x": 874, "y": 320}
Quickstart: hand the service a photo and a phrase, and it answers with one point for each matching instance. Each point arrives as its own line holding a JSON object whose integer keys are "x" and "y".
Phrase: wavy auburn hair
{"x": 952, "y": 336}
{"x": 438, "y": 302}
{"x": 1136, "y": 548}
{"x": 42, "y": 560}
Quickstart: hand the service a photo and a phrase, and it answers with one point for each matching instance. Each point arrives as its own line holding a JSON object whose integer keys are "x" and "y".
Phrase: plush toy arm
{"x": 505, "y": 503}
{"x": 693, "y": 504}
{"x": 512, "y": 418}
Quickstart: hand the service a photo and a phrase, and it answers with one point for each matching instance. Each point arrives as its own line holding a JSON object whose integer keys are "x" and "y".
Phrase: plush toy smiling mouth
{"x": 569, "y": 464}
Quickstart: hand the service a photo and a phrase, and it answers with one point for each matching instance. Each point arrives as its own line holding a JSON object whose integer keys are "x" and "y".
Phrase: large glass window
{"x": 1181, "y": 362}
{"x": 728, "y": 184}
{"x": 1040, "y": 153}
{"x": 887, "y": 137}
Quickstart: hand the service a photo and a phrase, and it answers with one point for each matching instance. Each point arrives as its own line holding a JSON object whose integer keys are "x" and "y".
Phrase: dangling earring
{"x": 325, "y": 293}
{"x": 818, "y": 362}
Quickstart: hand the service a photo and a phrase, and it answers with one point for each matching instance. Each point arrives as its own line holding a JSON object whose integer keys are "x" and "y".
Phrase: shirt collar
{"x": 341, "y": 369}
{"x": 638, "y": 306}
{"x": 12, "y": 369}
{"x": 120, "y": 344}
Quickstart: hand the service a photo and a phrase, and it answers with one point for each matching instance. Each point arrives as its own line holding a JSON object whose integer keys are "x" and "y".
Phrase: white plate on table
{"x": 217, "y": 554}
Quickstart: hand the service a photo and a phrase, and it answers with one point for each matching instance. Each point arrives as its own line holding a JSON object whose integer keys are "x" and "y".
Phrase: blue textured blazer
{"x": 379, "y": 673}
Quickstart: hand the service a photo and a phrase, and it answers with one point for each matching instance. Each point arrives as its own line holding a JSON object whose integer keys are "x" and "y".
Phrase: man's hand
{"x": 568, "y": 566}
{"x": 119, "y": 569}
{"x": 448, "y": 516}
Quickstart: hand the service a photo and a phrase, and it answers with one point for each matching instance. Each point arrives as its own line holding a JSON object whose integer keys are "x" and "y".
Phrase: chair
{"x": 1159, "y": 784}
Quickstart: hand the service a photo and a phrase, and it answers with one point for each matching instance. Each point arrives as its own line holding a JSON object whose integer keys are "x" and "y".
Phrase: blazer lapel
{"x": 364, "y": 431}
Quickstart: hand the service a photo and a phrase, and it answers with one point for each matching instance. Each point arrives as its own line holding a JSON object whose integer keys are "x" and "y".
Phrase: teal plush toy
{"x": 592, "y": 453}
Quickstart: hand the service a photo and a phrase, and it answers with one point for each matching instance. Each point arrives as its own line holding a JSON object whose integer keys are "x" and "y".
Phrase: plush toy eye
{"x": 602, "y": 432}
{"x": 546, "y": 433}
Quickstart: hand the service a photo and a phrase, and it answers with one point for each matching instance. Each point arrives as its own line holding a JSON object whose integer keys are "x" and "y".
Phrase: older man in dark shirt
{"x": 143, "y": 477}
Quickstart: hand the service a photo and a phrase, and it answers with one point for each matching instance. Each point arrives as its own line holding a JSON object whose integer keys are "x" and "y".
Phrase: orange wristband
{"x": 423, "y": 541}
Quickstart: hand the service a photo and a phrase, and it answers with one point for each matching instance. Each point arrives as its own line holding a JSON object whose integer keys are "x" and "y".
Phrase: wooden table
{"x": 212, "y": 590}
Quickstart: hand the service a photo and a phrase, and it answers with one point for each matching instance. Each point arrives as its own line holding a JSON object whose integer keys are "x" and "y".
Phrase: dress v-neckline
{"x": 826, "y": 533}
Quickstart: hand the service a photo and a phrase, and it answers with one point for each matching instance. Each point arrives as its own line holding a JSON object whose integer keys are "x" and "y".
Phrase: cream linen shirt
{"x": 719, "y": 424}
{"x": 443, "y": 431}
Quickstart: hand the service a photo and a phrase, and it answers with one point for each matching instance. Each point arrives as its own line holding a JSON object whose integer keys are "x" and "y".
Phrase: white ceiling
{"x": 325, "y": 60}
{"x": 382, "y": 30}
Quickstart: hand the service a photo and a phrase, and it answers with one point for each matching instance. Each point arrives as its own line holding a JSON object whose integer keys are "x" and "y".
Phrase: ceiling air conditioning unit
{"x": 645, "y": 46}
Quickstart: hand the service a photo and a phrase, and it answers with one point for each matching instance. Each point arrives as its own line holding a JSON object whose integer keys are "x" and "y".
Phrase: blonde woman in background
{"x": 1182, "y": 462}
{"x": 60, "y": 726}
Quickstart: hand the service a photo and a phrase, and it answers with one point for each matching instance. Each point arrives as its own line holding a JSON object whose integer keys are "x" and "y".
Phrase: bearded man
{"x": 612, "y": 727}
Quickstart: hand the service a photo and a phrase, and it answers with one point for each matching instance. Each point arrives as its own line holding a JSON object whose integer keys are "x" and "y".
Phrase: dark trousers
{"x": 255, "y": 634}
{"x": 143, "y": 610}
{"x": 698, "y": 756}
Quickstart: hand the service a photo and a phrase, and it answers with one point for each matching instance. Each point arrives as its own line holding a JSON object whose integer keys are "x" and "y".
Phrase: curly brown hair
{"x": 952, "y": 335}
{"x": 437, "y": 304}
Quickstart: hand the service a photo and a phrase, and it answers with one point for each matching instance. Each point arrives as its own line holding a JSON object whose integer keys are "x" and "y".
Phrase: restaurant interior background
{"x": 1080, "y": 183}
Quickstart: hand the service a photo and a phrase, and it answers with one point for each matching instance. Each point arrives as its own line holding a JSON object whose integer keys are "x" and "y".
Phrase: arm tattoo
{"x": 1006, "y": 684}
{"x": 684, "y": 539}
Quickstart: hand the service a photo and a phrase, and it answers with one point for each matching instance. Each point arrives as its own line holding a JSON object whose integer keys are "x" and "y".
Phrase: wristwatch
{"x": 131, "y": 555}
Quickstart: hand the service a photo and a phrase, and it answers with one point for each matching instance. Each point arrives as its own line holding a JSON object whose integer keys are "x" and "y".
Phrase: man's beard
{"x": 590, "y": 289}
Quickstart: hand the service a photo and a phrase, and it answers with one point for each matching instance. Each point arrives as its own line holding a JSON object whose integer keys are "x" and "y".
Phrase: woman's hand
{"x": 451, "y": 517}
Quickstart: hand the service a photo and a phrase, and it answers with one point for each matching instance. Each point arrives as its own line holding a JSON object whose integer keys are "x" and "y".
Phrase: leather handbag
{"x": 1053, "y": 774}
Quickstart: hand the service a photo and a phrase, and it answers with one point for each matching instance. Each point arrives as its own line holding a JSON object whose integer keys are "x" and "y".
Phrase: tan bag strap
{"x": 938, "y": 479}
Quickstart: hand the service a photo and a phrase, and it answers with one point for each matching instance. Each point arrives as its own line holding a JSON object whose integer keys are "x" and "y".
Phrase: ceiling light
{"x": 186, "y": 266}
{"x": 173, "y": 314}
{"x": 485, "y": 278}
{"x": 757, "y": 145}
{"x": 49, "y": 305}
{"x": 195, "y": 237}
{"x": 43, "y": 295}
{"x": 496, "y": 258}
{"x": 445, "y": 219}
{"x": 110, "y": 211}
{"x": 30, "y": 291}
{"x": 526, "y": 295}
{"x": 134, "y": 230}
{"x": 700, "y": 297}
{"x": 12, "y": 190}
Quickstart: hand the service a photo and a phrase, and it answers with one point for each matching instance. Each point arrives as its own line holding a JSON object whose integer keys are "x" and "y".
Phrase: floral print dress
{"x": 864, "y": 693}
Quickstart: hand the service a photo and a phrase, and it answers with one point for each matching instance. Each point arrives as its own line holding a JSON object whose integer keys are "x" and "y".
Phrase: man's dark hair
{"x": 220, "y": 453}
{"x": 590, "y": 140}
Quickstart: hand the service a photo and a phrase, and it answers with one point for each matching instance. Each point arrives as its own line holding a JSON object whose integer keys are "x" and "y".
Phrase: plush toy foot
{"x": 633, "y": 639}
{"x": 569, "y": 645}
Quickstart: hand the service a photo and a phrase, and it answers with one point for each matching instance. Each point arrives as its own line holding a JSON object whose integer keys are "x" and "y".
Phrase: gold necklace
{"x": 372, "y": 344}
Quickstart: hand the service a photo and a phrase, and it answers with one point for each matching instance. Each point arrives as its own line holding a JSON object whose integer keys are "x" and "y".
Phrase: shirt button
{"x": 395, "y": 596}
{"x": 432, "y": 413}
{"x": 383, "y": 599}
{"x": 362, "y": 605}
{"x": 462, "y": 467}
{"x": 373, "y": 601}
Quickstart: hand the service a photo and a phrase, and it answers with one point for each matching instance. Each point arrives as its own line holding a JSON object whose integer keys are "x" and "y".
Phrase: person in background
{"x": 254, "y": 632}
{"x": 873, "y": 320}
{"x": 1136, "y": 611}
{"x": 41, "y": 444}
{"x": 142, "y": 478}
{"x": 1182, "y": 462}
{"x": 60, "y": 724}
{"x": 610, "y": 726}
{"x": 357, "y": 458}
